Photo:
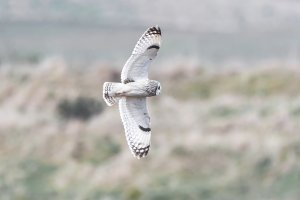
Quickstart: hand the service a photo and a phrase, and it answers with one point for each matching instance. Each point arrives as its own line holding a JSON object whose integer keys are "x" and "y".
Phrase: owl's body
{"x": 133, "y": 90}
{"x": 142, "y": 88}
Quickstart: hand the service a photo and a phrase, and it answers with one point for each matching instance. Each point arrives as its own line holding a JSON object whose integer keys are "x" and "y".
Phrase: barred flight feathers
{"x": 136, "y": 121}
{"x": 136, "y": 67}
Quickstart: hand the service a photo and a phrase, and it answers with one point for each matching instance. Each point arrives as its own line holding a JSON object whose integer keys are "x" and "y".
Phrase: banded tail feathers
{"x": 109, "y": 93}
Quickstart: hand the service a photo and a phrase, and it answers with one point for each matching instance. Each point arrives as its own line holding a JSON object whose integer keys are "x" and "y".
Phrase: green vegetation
{"x": 81, "y": 108}
{"x": 101, "y": 150}
{"x": 235, "y": 137}
{"x": 227, "y": 111}
{"x": 29, "y": 57}
{"x": 295, "y": 112}
{"x": 265, "y": 83}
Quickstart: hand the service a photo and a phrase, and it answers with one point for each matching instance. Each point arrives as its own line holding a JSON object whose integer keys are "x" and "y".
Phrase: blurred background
{"x": 226, "y": 125}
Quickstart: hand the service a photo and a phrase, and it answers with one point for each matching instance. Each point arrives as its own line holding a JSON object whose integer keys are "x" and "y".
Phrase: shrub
{"x": 96, "y": 151}
{"x": 82, "y": 108}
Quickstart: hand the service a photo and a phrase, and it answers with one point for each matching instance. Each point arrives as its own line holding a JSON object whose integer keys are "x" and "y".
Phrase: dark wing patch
{"x": 144, "y": 129}
{"x": 153, "y": 47}
{"x": 128, "y": 80}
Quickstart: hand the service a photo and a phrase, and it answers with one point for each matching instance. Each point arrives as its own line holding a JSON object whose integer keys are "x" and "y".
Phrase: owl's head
{"x": 158, "y": 89}
{"x": 154, "y": 88}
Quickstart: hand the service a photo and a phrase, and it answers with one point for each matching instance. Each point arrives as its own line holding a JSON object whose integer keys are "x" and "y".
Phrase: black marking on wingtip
{"x": 128, "y": 80}
{"x": 144, "y": 129}
{"x": 158, "y": 30}
{"x": 153, "y": 47}
{"x": 154, "y": 30}
{"x": 141, "y": 152}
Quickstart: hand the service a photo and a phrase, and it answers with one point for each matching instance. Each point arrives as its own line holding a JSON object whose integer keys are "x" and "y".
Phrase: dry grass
{"x": 216, "y": 135}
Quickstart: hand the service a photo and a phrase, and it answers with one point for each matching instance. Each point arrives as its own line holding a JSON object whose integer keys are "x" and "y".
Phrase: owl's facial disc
{"x": 158, "y": 89}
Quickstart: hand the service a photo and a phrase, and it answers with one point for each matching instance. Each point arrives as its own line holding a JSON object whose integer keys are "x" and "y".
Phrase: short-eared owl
{"x": 133, "y": 90}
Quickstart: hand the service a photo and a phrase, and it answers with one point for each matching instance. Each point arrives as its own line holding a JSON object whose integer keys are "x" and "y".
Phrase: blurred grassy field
{"x": 217, "y": 134}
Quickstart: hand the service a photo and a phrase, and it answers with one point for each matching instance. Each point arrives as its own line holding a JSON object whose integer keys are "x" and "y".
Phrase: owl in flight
{"x": 133, "y": 90}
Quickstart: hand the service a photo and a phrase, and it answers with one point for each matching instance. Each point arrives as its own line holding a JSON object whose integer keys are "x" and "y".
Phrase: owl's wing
{"x": 136, "y": 121}
{"x": 136, "y": 67}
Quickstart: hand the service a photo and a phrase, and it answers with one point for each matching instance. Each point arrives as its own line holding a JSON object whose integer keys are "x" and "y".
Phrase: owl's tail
{"x": 109, "y": 93}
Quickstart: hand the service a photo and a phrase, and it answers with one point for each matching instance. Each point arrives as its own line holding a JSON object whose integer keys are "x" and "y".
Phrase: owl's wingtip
{"x": 155, "y": 29}
{"x": 141, "y": 152}
{"x": 139, "y": 156}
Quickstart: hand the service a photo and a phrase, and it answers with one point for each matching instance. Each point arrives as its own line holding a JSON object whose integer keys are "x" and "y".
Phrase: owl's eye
{"x": 158, "y": 87}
